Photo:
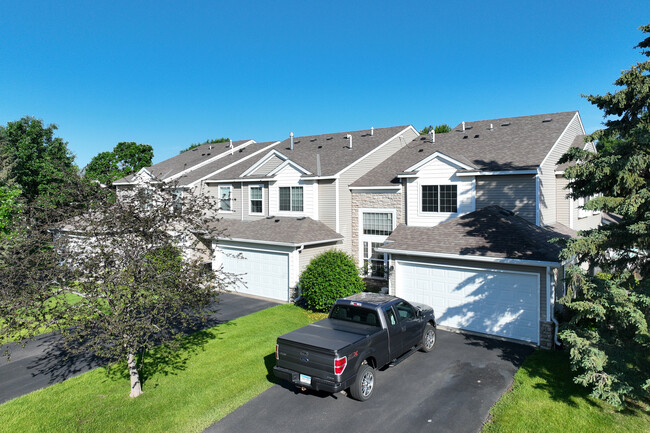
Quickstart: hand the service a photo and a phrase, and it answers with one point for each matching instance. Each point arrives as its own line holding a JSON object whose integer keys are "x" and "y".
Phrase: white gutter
{"x": 495, "y": 173}
{"x": 360, "y": 188}
{"x": 319, "y": 177}
{"x": 470, "y": 258}
{"x": 252, "y": 179}
{"x": 281, "y": 244}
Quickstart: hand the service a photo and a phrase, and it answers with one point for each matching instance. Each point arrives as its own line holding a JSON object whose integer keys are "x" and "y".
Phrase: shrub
{"x": 328, "y": 277}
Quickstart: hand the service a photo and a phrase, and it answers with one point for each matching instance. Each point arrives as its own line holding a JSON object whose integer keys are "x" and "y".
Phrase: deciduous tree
{"x": 126, "y": 158}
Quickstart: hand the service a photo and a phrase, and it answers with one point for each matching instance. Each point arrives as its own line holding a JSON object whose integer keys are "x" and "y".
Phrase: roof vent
{"x": 320, "y": 146}
{"x": 491, "y": 127}
{"x": 372, "y": 131}
{"x": 465, "y": 136}
{"x": 476, "y": 136}
{"x": 505, "y": 124}
{"x": 291, "y": 138}
{"x": 270, "y": 217}
{"x": 421, "y": 150}
{"x": 463, "y": 126}
{"x": 232, "y": 148}
{"x": 300, "y": 218}
{"x": 468, "y": 127}
{"x": 548, "y": 119}
{"x": 433, "y": 136}
{"x": 349, "y": 137}
{"x": 329, "y": 138}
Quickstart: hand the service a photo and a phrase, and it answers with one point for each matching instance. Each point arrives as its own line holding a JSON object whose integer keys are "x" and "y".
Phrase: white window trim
{"x": 229, "y": 186}
{"x": 422, "y": 213}
{"x": 372, "y": 238}
{"x": 250, "y": 211}
{"x": 292, "y": 212}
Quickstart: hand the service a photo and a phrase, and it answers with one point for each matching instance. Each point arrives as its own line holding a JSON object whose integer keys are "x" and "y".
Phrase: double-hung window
{"x": 380, "y": 224}
{"x": 291, "y": 199}
{"x": 439, "y": 198}
{"x": 225, "y": 197}
{"x": 256, "y": 199}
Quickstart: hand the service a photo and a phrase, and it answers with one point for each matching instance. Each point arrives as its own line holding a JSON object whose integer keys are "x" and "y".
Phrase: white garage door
{"x": 487, "y": 301}
{"x": 263, "y": 273}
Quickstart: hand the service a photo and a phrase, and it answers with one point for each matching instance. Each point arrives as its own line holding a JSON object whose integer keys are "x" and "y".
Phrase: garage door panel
{"x": 487, "y": 301}
{"x": 262, "y": 273}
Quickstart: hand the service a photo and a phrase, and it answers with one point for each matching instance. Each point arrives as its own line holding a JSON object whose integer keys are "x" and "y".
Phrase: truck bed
{"x": 330, "y": 334}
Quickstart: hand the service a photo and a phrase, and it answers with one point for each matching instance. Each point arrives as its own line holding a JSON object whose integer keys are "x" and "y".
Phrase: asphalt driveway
{"x": 44, "y": 361}
{"x": 450, "y": 389}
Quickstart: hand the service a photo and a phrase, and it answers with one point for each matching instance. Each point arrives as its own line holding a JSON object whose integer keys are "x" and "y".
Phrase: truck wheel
{"x": 428, "y": 338}
{"x": 364, "y": 383}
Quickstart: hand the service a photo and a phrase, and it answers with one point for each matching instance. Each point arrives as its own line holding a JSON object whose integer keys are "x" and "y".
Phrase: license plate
{"x": 305, "y": 379}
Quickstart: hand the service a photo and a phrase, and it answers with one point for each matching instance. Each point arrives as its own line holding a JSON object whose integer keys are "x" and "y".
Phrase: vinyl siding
{"x": 308, "y": 253}
{"x": 268, "y": 166}
{"x": 327, "y": 203}
{"x": 468, "y": 263}
{"x": 289, "y": 176}
{"x": 563, "y": 213}
{"x": 515, "y": 193}
{"x": 355, "y": 172}
{"x": 547, "y": 187}
{"x": 245, "y": 202}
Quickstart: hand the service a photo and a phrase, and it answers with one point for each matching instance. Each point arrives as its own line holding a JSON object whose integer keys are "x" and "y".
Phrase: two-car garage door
{"x": 502, "y": 303}
{"x": 262, "y": 273}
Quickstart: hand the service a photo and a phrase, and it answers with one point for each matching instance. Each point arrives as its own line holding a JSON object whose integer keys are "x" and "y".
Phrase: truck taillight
{"x": 339, "y": 365}
{"x": 277, "y": 351}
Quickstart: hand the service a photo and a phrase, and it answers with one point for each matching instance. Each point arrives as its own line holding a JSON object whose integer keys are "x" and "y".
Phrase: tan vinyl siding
{"x": 267, "y": 167}
{"x": 308, "y": 253}
{"x": 245, "y": 202}
{"x": 563, "y": 213}
{"x": 327, "y": 203}
{"x": 500, "y": 266}
{"x": 547, "y": 187}
{"x": 515, "y": 193}
{"x": 355, "y": 172}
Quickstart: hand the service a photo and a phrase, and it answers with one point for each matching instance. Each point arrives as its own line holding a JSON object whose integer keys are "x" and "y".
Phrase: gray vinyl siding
{"x": 547, "y": 187}
{"x": 355, "y": 172}
{"x": 308, "y": 253}
{"x": 515, "y": 193}
{"x": 563, "y": 213}
{"x": 212, "y": 190}
{"x": 267, "y": 167}
{"x": 327, "y": 203}
{"x": 482, "y": 265}
{"x": 245, "y": 202}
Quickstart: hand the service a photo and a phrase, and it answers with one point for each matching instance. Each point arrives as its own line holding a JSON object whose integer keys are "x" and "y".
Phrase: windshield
{"x": 350, "y": 313}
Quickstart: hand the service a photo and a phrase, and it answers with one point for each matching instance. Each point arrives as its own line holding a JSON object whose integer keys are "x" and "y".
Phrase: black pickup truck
{"x": 362, "y": 333}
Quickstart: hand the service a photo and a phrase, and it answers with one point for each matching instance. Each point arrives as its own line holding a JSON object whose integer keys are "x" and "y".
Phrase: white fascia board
{"x": 376, "y": 188}
{"x": 263, "y": 160}
{"x": 280, "y": 244}
{"x": 319, "y": 177}
{"x": 238, "y": 179}
{"x": 562, "y": 135}
{"x": 559, "y": 172}
{"x": 292, "y": 164}
{"x": 376, "y": 149}
{"x": 122, "y": 183}
{"x": 210, "y": 160}
{"x": 436, "y": 155}
{"x": 406, "y": 176}
{"x": 495, "y": 173}
{"x": 231, "y": 165}
{"x": 471, "y": 258}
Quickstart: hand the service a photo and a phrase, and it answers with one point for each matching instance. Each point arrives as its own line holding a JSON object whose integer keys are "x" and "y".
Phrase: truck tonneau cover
{"x": 330, "y": 334}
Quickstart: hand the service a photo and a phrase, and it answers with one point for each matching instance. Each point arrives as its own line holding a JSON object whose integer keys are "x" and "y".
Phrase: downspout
{"x": 552, "y": 306}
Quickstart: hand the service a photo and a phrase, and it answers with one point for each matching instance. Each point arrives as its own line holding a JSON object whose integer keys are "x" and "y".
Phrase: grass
{"x": 545, "y": 399}
{"x": 215, "y": 372}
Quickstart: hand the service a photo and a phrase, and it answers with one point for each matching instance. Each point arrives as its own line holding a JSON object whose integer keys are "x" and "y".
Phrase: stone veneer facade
{"x": 546, "y": 330}
{"x": 380, "y": 199}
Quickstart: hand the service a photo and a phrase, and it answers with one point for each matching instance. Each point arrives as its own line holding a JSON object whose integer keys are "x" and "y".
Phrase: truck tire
{"x": 364, "y": 383}
{"x": 428, "y": 338}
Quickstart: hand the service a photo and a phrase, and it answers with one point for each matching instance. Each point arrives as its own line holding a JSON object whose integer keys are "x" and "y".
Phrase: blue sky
{"x": 172, "y": 73}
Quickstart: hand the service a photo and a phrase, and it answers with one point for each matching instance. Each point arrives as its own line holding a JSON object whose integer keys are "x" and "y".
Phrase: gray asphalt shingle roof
{"x": 514, "y": 143}
{"x": 186, "y": 160}
{"x": 333, "y": 149}
{"x": 488, "y": 232}
{"x": 277, "y": 229}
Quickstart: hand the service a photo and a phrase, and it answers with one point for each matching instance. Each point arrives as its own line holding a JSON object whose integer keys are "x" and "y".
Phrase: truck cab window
{"x": 405, "y": 311}
{"x": 390, "y": 316}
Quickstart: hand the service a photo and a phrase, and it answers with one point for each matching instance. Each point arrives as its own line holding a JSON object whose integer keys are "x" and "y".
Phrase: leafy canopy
{"x": 328, "y": 277}
{"x": 439, "y": 129}
{"x": 607, "y": 327}
{"x": 126, "y": 158}
{"x": 209, "y": 141}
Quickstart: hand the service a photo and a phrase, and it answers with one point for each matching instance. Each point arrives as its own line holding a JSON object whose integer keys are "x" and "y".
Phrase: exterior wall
{"x": 569, "y": 212}
{"x": 309, "y": 253}
{"x": 245, "y": 202}
{"x": 267, "y": 167}
{"x": 546, "y": 334}
{"x": 438, "y": 172}
{"x": 288, "y": 176}
{"x": 236, "y": 202}
{"x": 547, "y": 187}
{"x": 562, "y": 210}
{"x": 327, "y": 203}
{"x": 378, "y": 199}
{"x": 515, "y": 193}
{"x": 355, "y": 172}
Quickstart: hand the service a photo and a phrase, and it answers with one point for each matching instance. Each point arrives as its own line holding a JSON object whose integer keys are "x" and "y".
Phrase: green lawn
{"x": 544, "y": 399}
{"x": 216, "y": 371}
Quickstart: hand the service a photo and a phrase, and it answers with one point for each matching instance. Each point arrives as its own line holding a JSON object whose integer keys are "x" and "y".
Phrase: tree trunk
{"x": 136, "y": 386}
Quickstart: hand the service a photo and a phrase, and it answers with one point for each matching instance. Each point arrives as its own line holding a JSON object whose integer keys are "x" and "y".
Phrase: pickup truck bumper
{"x": 317, "y": 384}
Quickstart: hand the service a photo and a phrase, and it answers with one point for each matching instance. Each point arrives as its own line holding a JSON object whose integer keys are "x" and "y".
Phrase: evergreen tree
{"x": 608, "y": 313}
